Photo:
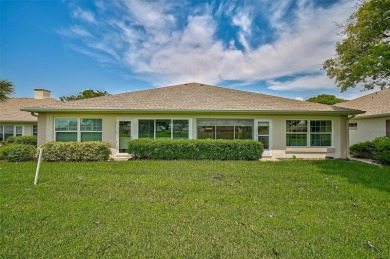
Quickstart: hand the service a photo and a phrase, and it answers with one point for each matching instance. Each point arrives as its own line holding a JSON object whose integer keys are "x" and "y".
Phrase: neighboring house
{"x": 14, "y": 122}
{"x": 375, "y": 122}
{"x": 286, "y": 127}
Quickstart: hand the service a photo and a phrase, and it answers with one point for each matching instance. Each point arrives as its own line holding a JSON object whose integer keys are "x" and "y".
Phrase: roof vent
{"x": 41, "y": 94}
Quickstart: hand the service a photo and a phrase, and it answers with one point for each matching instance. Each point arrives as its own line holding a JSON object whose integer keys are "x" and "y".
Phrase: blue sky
{"x": 275, "y": 47}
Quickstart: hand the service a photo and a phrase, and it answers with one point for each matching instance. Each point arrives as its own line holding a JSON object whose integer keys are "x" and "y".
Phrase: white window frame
{"x": 14, "y": 129}
{"x": 117, "y": 131}
{"x": 78, "y": 131}
{"x": 136, "y": 125}
{"x": 32, "y": 129}
{"x": 308, "y": 132}
{"x": 352, "y": 127}
{"x": 254, "y": 136}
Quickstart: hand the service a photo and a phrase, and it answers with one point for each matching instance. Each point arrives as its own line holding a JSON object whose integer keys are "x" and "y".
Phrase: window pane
{"x": 35, "y": 130}
{"x": 321, "y": 126}
{"x": 91, "y": 124}
{"x": 243, "y": 123}
{"x": 225, "y": 122}
{"x": 320, "y": 140}
{"x": 146, "y": 129}
{"x": 1, "y": 133}
{"x": 225, "y": 132}
{"x": 296, "y": 140}
{"x": 180, "y": 129}
{"x": 66, "y": 136}
{"x": 263, "y": 128}
{"x": 66, "y": 124}
{"x": 91, "y": 136}
{"x": 163, "y": 129}
{"x": 296, "y": 126}
{"x": 18, "y": 130}
{"x": 206, "y": 132}
{"x": 264, "y": 140}
{"x": 244, "y": 132}
{"x": 8, "y": 131}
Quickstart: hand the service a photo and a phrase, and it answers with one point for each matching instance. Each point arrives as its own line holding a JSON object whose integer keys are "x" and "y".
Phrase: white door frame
{"x": 117, "y": 131}
{"x": 256, "y": 122}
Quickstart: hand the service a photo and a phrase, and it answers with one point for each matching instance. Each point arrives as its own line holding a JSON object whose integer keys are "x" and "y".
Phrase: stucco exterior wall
{"x": 367, "y": 129}
{"x": 277, "y": 135}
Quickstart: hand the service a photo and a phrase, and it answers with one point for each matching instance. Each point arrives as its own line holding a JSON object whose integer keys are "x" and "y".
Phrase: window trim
{"x": 255, "y": 137}
{"x": 352, "y": 127}
{"x": 78, "y": 131}
{"x": 308, "y": 132}
{"x": 234, "y": 126}
{"x": 14, "y": 129}
{"x": 154, "y": 119}
{"x": 32, "y": 130}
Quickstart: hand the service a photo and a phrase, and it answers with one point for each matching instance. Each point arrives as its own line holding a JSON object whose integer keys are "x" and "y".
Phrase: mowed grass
{"x": 195, "y": 209}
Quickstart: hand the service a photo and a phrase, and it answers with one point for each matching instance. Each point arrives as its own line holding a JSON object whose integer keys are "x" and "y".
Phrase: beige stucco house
{"x": 14, "y": 122}
{"x": 375, "y": 122}
{"x": 195, "y": 111}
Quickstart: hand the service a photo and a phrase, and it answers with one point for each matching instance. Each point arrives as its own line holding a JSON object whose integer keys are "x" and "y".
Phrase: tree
{"x": 83, "y": 95}
{"x": 325, "y": 99}
{"x": 6, "y": 89}
{"x": 363, "y": 56}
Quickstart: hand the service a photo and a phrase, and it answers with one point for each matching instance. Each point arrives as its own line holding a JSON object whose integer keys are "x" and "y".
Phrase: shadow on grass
{"x": 371, "y": 176}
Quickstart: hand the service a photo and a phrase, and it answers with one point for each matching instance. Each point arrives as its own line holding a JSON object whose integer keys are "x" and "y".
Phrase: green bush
{"x": 196, "y": 149}
{"x": 382, "y": 150}
{"x": 76, "y": 151}
{"x": 17, "y": 152}
{"x": 363, "y": 150}
{"x": 28, "y": 140}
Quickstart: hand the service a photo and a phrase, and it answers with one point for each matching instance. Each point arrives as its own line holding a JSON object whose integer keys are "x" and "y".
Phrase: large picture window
{"x": 313, "y": 133}
{"x": 225, "y": 129}
{"x": 163, "y": 129}
{"x": 7, "y": 131}
{"x": 76, "y": 129}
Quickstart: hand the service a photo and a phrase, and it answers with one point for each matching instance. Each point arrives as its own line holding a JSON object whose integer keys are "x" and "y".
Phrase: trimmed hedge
{"x": 76, "y": 151}
{"x": 196, "y": 149}
{"x": 17, "y": 152}
{"x": 378, "y": 150}
{"x": 28, "y": 140}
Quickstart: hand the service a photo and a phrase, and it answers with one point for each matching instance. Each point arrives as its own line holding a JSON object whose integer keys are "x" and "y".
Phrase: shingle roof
{"x": 191, "y": 97}
{"x": 375, "y": 104}
{"x": 10, "y": 109}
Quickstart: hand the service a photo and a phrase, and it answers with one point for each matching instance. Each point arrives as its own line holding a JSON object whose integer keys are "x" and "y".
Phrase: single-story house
{"x": 286, "y": 127}
{"x": 375, "y": 122}
{"x": 14, "y": 122}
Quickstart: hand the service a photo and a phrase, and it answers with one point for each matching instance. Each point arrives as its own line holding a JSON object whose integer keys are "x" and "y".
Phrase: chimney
{"x": 41, "y": 94}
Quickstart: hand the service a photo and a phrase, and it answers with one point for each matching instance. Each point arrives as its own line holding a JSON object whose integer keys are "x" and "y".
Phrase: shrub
{"x": 28, "y": 140}
{"x": 196, "y": 149}
{"x": 382, "y": 150}
{"x": 363, "y": 150}
{"x": 17, "y": 152}
{"x": 76, "y": 151}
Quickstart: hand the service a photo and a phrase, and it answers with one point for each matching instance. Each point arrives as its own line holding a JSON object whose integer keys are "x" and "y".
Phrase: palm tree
{"x": 6, "y": 89}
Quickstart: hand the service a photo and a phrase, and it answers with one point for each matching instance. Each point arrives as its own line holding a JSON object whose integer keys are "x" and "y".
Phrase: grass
{"x": 198, "y": 209}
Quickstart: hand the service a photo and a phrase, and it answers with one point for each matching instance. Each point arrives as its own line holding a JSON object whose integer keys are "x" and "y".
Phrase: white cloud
{"x": 299, "y": 98}
{"x": 150, "y": 38}
{"x": 84, "y": 15}
{"x": 302, "y": 83}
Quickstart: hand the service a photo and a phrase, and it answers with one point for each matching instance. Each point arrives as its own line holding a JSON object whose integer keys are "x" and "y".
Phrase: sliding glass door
{"x": 123, "y": 135}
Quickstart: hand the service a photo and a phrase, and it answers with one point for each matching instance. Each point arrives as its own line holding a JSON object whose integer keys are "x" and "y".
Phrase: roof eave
{"x": 91, "y": 110}
{"x": 372, "y": 116}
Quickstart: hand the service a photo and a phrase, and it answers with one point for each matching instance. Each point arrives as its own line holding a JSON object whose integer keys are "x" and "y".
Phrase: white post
{"x": 38, "y": 166}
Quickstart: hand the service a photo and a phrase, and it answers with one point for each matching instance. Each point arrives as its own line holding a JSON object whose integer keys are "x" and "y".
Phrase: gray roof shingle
{"x": 375, "y": 104}
{"x": 191, "y": 97}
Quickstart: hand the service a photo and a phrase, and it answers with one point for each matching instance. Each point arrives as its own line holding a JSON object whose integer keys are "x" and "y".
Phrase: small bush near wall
{"x": 76, "y": 151}
{"x": 17, "y": 152}
{"x": 363, "y": 150}
{"x": 28, "y": 140}
{"x": 196, "y": 149}
{"x": 378, "y": 150}
{"x": 382, "y": 150}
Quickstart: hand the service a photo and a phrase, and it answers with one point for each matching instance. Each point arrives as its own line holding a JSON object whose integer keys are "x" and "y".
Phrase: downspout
{"x": 347, "y": 133}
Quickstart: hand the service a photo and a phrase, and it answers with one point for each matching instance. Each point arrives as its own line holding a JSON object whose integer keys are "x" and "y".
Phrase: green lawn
{"x": 201, "y": 209}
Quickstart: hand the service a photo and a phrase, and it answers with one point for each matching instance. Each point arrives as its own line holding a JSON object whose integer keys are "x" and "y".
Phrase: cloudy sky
{"x": 275, "y": 47}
